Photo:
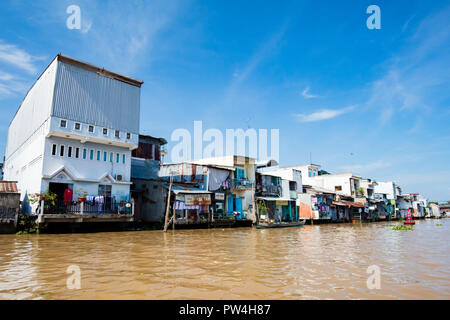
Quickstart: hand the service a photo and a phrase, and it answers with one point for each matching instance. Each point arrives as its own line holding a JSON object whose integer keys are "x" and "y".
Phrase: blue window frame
{"x": 117, "y": 158}
{"x": 123, "y": 158}
{"x": 98, "y": 155}
{"x": 91, "y": 155}
{"x": 84, "y": 153}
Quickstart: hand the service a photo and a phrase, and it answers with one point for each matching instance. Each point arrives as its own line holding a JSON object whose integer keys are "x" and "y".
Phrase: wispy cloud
{"x": 414, "y": 74}
{"x": 258, "y": 57}
{"x": 324, "y": 114}
{"x": 307, "y": 95}
{"x": 368, "y": 167}
{"x": 124, "y": 35}
{"x": 11, "y": 85}
{"x": 12, "y": 55}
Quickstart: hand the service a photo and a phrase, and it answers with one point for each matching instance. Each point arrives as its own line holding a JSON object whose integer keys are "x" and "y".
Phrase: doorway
{"x": 59, "y": 189}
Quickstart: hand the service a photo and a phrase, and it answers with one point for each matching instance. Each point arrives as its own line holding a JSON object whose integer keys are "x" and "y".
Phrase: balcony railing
{"x": 88, "y": 207}
{"x": 268, "y": 190}
{"x": 241, "y": 183}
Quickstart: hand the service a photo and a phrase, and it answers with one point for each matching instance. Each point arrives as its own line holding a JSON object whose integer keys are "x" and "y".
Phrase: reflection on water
{"x": 313, "y": 262}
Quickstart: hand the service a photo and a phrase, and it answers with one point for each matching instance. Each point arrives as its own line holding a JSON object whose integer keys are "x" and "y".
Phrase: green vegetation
{"x": 402, "y": 227}
{"x": 47, "y": 196}
{"x": 26, "y": 225}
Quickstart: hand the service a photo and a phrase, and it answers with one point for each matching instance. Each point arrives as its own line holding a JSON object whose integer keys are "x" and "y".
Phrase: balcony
{"x": 269, "y": 190}
{"x": 241, "y": 184}
{"x": 78, "y": 212}
{"x": 88, "y": 207}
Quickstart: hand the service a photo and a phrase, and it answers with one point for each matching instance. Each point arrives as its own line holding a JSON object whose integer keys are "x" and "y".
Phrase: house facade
{"x": 277, "y": 192}
{"x": 240, "y": 191}
{"x": 75, "y": 129}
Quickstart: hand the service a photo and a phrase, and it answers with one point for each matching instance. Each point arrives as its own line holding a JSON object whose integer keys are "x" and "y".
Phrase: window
{"x": 338, "y": 188}
{"x": 98, "y": 155}
{"x": 77, "y": 126}
{"x": 54, "y": 149}
{"x": 292, "y": 185}
{"x": 123, "y": 158}
{"x": 309, "y": 173}
{"x": 111, "y": 157}
{"x": 61, "y": 151}
{"x": 128, "y": 135}
{"x": 84, "y": 153}
{"x": 69, "y": 152}
{"x": 117, "y": 133}
{"x": 104, "y": 190}
{"x": 77, "y": 153}
{"x": 63, "y": 123}
{"x": 105, "y": 131}
{"x": 91, "y": 129}
{"x": 117, "y": 158}
{"x": 105, "y": 155}
{"x": 91, "y": 155}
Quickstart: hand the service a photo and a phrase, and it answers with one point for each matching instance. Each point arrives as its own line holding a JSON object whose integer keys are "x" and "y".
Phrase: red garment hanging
{"x": 68, "y": 196}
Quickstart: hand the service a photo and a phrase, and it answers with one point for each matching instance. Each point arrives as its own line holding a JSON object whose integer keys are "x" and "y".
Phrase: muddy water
{"x": 313, "y": 262}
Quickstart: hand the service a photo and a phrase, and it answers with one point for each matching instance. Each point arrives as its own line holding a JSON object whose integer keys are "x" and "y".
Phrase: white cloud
{"x": 307, "y": 95}
{"x": 17, "y": 57}
{"x": 324, "y": 114}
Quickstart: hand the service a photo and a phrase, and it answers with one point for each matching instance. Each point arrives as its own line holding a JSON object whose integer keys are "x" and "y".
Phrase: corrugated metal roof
{"x": 8, "y": 187}
{"x": 89, "y": 97}
{"x": 348, "y": 204}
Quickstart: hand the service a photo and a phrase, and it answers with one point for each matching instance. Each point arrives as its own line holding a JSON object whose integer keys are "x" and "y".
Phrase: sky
{"x": 375, "y": 102}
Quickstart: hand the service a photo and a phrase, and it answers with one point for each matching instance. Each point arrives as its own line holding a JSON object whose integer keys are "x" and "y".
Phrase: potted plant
{"x": 47, "y": 196}
{"x": 81, "y": 194}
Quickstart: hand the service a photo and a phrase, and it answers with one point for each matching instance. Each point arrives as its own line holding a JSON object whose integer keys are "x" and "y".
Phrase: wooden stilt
{"x": 166, "y": 219}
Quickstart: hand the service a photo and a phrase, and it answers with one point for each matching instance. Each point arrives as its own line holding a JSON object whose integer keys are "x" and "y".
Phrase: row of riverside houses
{"x": 75, "y": 151}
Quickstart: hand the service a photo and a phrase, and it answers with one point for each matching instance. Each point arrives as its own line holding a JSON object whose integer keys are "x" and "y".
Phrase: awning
{"x": 275, "y": 199}
{"x": 186, "y": 190}
{"x": 348, "y": 204}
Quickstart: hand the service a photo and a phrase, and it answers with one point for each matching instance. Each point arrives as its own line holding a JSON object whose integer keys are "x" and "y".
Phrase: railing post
{"x": 82, "y": 208}
{"x": 42, "y": 206}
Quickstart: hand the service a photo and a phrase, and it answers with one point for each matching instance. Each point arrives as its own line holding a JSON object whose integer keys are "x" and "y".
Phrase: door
{"x": 230, "y": 206}
{"x": 239, "y": 205}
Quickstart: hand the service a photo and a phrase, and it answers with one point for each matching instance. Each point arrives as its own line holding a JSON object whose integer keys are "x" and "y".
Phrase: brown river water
{"x": 312, "y": 262}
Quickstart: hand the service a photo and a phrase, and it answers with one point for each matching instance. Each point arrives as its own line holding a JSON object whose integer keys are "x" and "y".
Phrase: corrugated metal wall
{"x": 33, "y": 112}
{"x": 88, "y": 97}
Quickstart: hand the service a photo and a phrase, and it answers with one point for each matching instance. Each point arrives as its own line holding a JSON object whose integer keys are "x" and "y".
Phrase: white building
{"x": 387, "y": 188}
{"x": 75, "y": 129}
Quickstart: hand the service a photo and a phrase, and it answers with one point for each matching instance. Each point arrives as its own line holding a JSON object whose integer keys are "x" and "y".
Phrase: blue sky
{"x": 375, "y": 102}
